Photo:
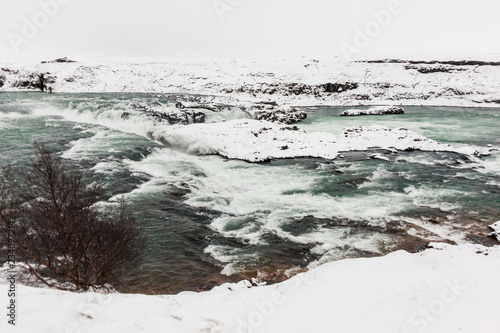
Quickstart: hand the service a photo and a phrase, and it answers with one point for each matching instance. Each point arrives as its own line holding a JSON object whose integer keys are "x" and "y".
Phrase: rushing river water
{"x": 211, "y": 220}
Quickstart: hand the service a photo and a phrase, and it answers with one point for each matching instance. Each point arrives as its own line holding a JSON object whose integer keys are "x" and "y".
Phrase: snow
{"x": 291, "y": 82}
{"x": 257, "y": 141}
{"x": 442, "y": 289}
{"x": 380, "y": 157}
{"x": 496, "y": 230}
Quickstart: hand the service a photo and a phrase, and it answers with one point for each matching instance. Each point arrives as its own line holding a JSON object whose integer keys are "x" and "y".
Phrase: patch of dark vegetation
{"x": 64, "y": 239}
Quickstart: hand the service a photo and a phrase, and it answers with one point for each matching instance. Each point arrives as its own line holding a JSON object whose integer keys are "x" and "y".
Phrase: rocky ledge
{"x": 375, "y": 111}
{"x": 290, "y": 116}
{"x": 179, "y": 117}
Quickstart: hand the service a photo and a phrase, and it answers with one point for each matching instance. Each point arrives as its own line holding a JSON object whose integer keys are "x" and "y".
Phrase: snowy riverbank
{"x": 301, "y": 82}
{"x": 443, "y": 289}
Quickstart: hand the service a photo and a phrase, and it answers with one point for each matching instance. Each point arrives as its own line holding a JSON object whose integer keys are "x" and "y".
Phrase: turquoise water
{"x": 476, "y": 126}
{"x": 211, "y": 220}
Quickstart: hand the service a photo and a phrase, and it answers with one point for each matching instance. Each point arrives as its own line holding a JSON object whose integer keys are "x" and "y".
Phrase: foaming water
{"x": 211, "y": 220}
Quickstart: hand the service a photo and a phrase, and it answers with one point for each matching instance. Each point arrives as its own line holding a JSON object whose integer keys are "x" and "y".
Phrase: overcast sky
{"x": 243, "y": 28}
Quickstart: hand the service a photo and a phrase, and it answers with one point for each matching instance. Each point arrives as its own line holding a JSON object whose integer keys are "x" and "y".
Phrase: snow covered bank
{"x": 443, "y": 289}
{"x": 300, "y": 82}
{"x": 496, "y": 230}
{"x": 375, "y": 111}
{"x": 257, "y": 141}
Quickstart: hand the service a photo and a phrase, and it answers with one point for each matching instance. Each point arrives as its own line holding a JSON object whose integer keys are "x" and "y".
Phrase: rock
{"x": 496, "y": 233}
{"x": 434, "y": 69}
{"x": 182, "y": 117}
{"x": 340, "y": 87}
{"x": 35, "y": 81}
{"x": 10, "y": 71}
{"x": 2, "y": 80}
{"x": 60, "y": 60}
{"x": 207, "y": 106}
{"x": 196, "y": 117}
{"x": 436, "y": 62}
{"x": 282, "y": 117}
{"x": 373, "y": 111}
{"x": 270, "y": 103}
{"x": 285, "y": 89}
{"x": 380, "y": 157}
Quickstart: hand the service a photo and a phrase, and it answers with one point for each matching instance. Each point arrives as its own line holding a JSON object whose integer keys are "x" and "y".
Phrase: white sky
{"x": 253, "y": 28}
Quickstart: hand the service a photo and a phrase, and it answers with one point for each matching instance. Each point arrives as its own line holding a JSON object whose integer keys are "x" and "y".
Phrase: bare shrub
{"x": 62, "y": 234}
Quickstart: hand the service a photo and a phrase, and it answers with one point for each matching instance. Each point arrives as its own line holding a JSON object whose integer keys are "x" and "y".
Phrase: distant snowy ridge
{"x": 378, "y": 110}
{"x": 298, "y": 82}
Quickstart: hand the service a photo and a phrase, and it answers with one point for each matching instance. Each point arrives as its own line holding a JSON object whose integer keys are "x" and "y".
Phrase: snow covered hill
{"x": 302, "y": 81}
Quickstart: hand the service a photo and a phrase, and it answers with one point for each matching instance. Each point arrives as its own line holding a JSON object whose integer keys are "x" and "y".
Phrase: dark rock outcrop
{"x": 283, "y": 117}
{"x": 35, "y": 81}
{"x": 340, "y": 87}
{"x": 434, "y": 69}
{"x": 373, "y": 111}
{"x": 183, "y": 117}
{"x": 435, "y": 62}
{"x": 290, "y": 89}
{"x": 60, "y": 60}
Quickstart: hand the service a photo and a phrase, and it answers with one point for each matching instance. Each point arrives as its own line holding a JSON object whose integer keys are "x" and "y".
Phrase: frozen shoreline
{"x": 442, "y": 289}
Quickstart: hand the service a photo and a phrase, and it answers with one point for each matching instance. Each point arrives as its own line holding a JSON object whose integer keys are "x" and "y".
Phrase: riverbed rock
{"x": 59, "y": 60}
{"x": 288, "y": 117}
{"x": 340, "y": 87}
{"x": 373, "y": 111}
{"x": 177, "y": 117}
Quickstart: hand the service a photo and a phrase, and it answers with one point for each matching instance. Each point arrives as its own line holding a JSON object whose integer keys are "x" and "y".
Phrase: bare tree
{"x": 62, "y": 233}
{"x": 41, "y": 81}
